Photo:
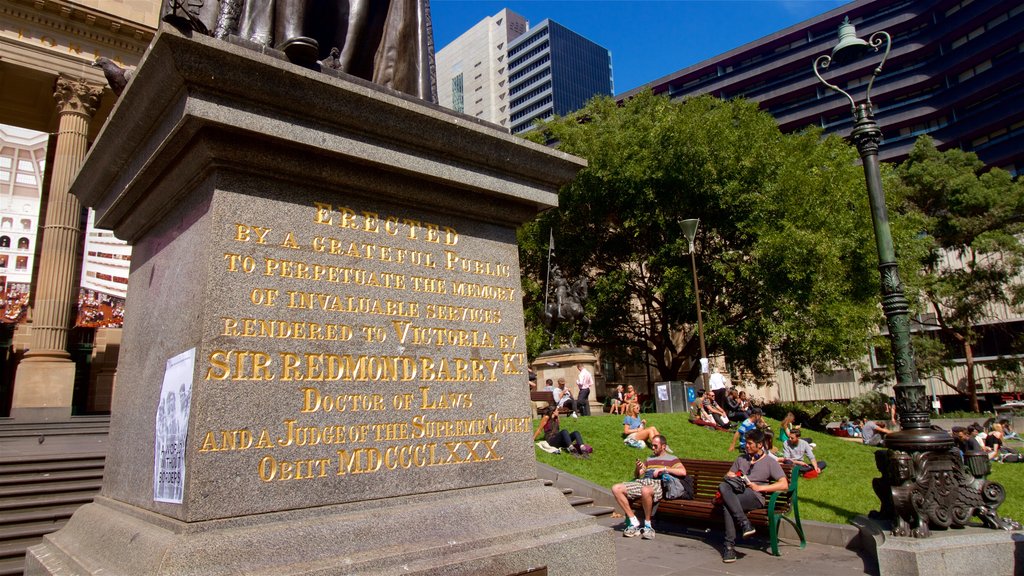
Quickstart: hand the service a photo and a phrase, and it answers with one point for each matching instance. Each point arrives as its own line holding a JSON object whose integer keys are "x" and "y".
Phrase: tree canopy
{"x": 971, "y": 220}
{"x": 785, "y": 248}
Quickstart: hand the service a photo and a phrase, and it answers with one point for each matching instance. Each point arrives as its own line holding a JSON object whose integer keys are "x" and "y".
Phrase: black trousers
{"x": 583, "y": 402}
{"x": 563, "y": 439}
{"x": 734, "y": 510}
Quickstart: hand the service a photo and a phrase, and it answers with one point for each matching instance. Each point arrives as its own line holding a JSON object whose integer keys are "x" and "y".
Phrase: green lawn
{"x": 840, "y": 493}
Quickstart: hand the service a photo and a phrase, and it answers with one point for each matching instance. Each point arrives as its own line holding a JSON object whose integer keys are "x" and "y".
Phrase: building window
{"x": 458, "y": 99}
{"x": 23, "y": 243}
{"x": 21, "y": 263}
{"x": 5, "y": 241}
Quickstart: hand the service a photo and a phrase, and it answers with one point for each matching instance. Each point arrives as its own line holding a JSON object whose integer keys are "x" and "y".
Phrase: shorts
{"x": 634, "y": 488}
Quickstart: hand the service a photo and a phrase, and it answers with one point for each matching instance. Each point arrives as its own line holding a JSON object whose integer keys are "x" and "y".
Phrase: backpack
{"x": 675, "y": 488}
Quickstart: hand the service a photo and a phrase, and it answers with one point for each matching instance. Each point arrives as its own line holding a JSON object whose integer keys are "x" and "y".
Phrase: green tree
{"x": 971, "y": 219}
{"x": 785, "y": 254}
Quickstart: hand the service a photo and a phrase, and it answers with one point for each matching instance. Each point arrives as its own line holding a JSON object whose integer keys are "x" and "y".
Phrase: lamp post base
{"x": 935, "y": 488}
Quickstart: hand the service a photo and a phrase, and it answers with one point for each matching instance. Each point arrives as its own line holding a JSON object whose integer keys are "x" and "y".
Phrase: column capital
{"x": 76, "y": 96}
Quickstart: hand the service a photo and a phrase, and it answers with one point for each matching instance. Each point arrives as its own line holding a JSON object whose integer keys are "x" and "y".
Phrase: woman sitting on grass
{"x": 555, "y": 436}
{"x": 618, "y": 401}
{"x": 630, "y": 399}
{"x": 636, "y": 431}
{"x": 785, "y": 427}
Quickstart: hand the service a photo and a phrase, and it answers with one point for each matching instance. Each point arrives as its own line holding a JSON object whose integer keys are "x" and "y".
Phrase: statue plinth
{"x": 325, "y": 281}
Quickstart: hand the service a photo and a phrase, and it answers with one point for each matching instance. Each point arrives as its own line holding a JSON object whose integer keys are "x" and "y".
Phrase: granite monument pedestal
{"x": 323, "y": 366}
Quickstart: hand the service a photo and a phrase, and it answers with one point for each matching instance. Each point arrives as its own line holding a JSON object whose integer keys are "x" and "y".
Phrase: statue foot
{"x": 300, "y": 50}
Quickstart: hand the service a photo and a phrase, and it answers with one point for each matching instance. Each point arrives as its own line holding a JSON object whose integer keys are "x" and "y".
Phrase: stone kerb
{"x": 342, "y": 261}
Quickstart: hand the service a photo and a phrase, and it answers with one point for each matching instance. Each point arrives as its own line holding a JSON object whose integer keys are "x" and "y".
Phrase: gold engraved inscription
{"x": 306, "y": 446}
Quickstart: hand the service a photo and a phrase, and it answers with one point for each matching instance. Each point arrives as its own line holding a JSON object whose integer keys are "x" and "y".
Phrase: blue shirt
{"x": 632, "y": 422}
{"x": 745, "y": 427}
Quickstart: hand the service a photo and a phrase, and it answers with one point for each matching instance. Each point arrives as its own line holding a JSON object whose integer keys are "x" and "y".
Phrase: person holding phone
{"x": 646, "y": 487}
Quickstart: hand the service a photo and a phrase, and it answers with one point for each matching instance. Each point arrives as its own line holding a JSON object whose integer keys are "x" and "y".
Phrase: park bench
{"x": 707, "y": 475}
{"x": 546, "y": 396}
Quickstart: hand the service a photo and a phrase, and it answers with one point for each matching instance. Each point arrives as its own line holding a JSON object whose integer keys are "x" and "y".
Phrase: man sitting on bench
{"x": 646, "y": 487}
{"x": 761, "y": 473}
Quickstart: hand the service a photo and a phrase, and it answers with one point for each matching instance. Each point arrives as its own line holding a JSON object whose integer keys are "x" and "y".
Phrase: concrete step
{"x": 14, "y": 566}
{"x": 578, "y": 501}
{"x": 75, "y": 426}
{"x": 43, "y": 513}
{"x": 595, "y": 510}
{"x": 22, "y": 502}
{"x": 51, "y": 487}
{"x": 17, "y": 546}
{"x": 32, "y": 478}
{"x": 30, "y": 529}
{"x": 50, "y": 465}
{"x": 50, "y": 460}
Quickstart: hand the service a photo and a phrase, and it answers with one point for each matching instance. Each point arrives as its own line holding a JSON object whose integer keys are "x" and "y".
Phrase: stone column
{"x": 45, "y": 378}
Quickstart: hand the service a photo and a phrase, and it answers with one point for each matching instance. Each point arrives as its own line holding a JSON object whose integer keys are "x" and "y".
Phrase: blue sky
{"x": 648, "y": 39}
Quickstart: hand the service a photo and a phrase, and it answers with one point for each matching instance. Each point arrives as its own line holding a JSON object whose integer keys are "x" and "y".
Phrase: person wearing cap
{"x": 744, "y": 428}
{"x": 796, "y": 449}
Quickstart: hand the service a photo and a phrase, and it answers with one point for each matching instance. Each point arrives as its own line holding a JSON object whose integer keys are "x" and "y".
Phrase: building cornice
{"x": 80, "y": 22}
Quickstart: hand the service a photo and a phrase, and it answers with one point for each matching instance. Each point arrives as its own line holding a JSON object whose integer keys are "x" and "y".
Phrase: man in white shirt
{"x": 717, "y": 384}
{"x": 585, "y": 381}
{"x": 564, "y": 397}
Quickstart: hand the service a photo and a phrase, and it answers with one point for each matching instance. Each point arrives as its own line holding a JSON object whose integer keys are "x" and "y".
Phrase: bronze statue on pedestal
{"x": 388, "y": 42}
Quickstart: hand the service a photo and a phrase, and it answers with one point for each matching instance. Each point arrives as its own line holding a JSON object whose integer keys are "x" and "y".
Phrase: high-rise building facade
{"x": 507, "y": 73}
{"x": 954, "y": 73}
{"x": 554, "y": 71}
{"x": 472, "y": 71}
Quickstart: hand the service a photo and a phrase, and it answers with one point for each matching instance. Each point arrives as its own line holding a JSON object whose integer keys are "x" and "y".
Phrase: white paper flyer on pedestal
{"x": 172, "y": 428}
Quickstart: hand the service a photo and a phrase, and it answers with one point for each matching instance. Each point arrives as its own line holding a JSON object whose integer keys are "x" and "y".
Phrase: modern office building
{"x": 507, "y": 73}
{"x": 954, "y": 73}
{"x": 554, "y": 71}
{"x": 472, "y": 71}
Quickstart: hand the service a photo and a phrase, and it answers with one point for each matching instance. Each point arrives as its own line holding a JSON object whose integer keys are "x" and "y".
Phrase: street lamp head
{"x": 690, "y": 230}
{"x": 849, "y": 49}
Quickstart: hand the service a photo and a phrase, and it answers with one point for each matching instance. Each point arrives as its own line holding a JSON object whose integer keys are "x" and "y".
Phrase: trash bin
{"x": 669, "y": 397}
{"x": 693, "y": 391}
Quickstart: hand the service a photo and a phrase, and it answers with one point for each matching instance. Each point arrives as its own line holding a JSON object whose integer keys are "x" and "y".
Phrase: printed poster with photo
{"x": 172, "y": 428}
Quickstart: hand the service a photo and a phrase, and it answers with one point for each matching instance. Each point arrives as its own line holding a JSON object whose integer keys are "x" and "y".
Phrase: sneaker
{"x": 729, "y": 556}
{"x": 647, "y": 533}
{"x": 669, "y": 450}
{"x": 631, "y": 531}
{"x": 747, "y": 530}
{"x": 575, "y": 415}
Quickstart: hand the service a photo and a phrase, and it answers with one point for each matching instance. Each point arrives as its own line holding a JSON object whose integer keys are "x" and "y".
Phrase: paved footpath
{"x": 680, "y": 553}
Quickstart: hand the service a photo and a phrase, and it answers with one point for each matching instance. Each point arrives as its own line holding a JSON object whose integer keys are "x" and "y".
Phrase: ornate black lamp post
{"x": 690, "y": 231}
{"x": 924, "y": 482}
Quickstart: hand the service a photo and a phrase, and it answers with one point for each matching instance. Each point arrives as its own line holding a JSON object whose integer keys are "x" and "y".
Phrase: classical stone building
{"x": 47, "y": 85}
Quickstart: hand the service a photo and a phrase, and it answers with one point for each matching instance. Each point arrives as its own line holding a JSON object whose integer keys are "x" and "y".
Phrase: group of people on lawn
{"x": 760, "y": 470}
